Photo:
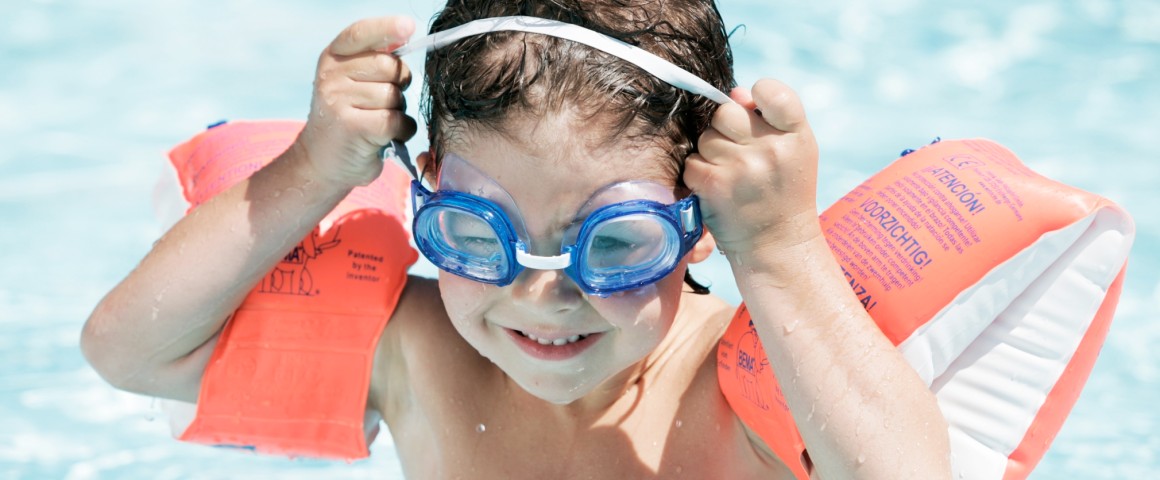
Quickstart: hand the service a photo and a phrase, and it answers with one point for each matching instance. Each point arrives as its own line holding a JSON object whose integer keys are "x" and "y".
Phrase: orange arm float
{"x": 997, "y": 284}
{"x": 291, "y": 371}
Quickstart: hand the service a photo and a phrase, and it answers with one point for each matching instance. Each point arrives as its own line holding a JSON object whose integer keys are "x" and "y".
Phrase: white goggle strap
{"x": 676, "y": 76}
{"x": 396, "y": 152}
{"x": 659, "y": 67}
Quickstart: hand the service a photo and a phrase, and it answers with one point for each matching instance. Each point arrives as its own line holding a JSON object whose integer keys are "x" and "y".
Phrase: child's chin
{"x": 559, "y": 401}
{"x": 559, "y": 392}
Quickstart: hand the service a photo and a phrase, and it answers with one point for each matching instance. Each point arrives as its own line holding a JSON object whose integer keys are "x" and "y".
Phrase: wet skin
{"x": 466, "y": 393}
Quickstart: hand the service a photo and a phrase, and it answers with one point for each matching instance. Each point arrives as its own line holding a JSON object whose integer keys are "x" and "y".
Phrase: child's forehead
{"x": 556, "y": 148}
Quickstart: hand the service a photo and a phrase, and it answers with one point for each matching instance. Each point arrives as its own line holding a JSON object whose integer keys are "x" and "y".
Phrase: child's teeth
{"x": 557, "y": 342}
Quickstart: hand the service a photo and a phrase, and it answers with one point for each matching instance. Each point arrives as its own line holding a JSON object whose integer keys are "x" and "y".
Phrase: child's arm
{"x": 154, "y": 332}
{"x": 861, "y": 409}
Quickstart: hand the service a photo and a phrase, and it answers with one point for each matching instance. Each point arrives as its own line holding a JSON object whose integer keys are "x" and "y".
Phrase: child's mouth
{"x": 559, "y": 348}
{"x": 557, "y": 342}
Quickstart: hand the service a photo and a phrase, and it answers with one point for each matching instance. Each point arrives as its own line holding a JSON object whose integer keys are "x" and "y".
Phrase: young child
{"x": 600, "y": 370}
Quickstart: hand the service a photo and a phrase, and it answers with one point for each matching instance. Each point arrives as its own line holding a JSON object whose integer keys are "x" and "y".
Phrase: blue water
{"x": 92, "y": 93}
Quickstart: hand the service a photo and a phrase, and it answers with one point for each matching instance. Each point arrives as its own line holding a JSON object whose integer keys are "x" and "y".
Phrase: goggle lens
{"x": 470, "y": 235}
{"x": 629, "y": 242}
{"x": 463, "y": 243}
{"x": 628, "y": 250}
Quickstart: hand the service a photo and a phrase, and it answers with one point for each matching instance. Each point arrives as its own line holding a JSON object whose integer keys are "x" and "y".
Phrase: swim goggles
{"x": 632, "y": 233}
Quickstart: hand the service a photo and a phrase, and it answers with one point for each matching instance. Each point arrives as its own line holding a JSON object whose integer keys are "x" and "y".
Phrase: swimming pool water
{"x": 92, "y": 94}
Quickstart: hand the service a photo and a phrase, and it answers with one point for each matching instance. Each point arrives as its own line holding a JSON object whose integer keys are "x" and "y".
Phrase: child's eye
{"x": 469, "y": 234}
{"x": 609, "y": 244}
{"x": 475, "y": 245}
{"x": 606, "y": 251}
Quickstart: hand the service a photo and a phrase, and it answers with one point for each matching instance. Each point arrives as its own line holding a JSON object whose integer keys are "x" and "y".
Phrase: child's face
{"x": 551, "y": 169}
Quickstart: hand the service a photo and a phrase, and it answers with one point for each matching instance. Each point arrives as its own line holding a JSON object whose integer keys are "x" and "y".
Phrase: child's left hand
{"x": 756, "y": 172}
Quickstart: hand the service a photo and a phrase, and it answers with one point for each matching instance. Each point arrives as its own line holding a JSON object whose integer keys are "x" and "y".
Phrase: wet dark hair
{"x": 486, "y": 81}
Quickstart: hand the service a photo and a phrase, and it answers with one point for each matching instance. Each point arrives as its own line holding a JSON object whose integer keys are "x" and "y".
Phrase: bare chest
{"x": 696, "y": 437}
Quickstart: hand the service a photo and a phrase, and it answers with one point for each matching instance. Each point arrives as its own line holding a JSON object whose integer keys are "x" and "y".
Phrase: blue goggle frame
{"x": 683, "y": 216}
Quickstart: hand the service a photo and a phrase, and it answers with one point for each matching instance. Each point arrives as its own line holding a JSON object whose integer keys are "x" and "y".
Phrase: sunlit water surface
{"x": 92, "y": 94}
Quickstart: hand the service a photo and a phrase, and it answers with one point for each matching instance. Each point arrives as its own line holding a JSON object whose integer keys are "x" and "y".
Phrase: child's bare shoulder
{"x": 420, "y": 349}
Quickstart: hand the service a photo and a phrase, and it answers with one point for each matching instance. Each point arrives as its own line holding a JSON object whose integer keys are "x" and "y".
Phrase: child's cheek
{"x": 651, "y": 307}
{"x": 465, "y": 300}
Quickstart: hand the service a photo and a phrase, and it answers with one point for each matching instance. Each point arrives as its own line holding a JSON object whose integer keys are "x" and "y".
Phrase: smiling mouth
{"x": 553, "y": 349}
{"x": 557, "y": 342}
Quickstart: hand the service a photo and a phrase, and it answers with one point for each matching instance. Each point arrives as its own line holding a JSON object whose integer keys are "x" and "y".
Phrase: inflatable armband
{"x": 996, "y": 284}
{"x": 291, "y": 371}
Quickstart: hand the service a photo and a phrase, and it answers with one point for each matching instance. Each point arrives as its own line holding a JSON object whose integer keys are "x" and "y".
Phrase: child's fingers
{"x": 369, "y": 34}
{"x": 371, "y": 96}
{"x": 735, "y": 122}
{"x": 697, "y": 172}
{"x": 381, "y": 126}
{"x": 743, "y": 97}
{"x": 377, "y": 67}
{"x": 714, "y": 146}
{"x": 779, "y": 105}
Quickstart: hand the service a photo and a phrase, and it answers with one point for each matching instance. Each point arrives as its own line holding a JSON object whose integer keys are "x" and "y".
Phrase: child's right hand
{"x": 358, "y": 103}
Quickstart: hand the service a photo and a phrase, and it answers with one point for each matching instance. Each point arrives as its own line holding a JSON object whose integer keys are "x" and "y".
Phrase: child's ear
{"x": 422, "y": 162}
{"x": 703, "y": 248}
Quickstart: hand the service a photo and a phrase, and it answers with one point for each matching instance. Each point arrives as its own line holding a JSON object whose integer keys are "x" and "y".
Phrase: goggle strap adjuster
{"x": 689, "y": 218}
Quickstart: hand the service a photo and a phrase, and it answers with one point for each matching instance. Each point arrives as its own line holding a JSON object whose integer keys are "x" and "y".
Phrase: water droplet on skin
{"x": 678, "y": 424}
{"x": 680, "y": 469}
{"x": 155, "y": 312}
{"x": 861, "y": 458}
{"x": 480, "y": 428}
{"x": 790, "y": 327}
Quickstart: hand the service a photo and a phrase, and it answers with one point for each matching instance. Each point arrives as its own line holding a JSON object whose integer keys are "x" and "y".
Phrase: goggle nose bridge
{"x": 536, "y": 262}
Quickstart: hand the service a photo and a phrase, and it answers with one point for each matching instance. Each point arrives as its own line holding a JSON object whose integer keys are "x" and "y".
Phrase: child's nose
{"x": 548, "y": 291}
